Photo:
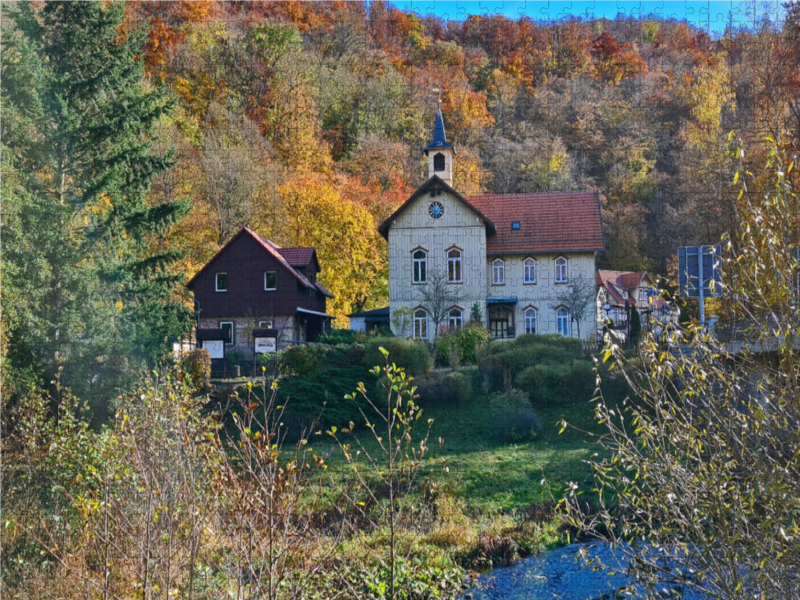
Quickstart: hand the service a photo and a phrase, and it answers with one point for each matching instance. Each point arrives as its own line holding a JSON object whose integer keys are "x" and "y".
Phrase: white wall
{"x": 459, "y": 226}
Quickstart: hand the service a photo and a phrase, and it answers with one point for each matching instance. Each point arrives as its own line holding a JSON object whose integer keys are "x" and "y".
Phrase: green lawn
{"x": 489, "y": 475}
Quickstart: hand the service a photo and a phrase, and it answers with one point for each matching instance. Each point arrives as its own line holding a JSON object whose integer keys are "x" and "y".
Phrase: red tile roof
{"x": 297, "y": 257}
{"x": 614, "y": 281}
{"x": 549, "y": 222}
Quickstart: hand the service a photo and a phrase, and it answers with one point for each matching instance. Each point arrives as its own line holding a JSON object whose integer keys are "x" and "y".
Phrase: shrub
{"x": 338, "y": 336}
{"x": 553, "y": 383}
{"x": 513, "y": 419}
{"x": 466, "y": 340}
{"x": 503, "y": 362}
{"x": 307, "y": 360}
{"x": 305, "y": 397}
{"x": 197, "y": 365}
{"x": 413, "y": 356}
{"x": 450, "y": 388}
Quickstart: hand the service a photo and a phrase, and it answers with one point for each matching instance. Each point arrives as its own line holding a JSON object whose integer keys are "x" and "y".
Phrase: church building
{"x": 515, "y": 259}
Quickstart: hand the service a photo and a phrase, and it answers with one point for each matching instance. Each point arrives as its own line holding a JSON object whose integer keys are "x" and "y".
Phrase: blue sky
{"x": 712, "y": 16}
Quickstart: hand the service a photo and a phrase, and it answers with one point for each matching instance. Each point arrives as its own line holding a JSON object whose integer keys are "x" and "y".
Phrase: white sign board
{"x": 266, "y": 345}
{"x": 216, "y": 348}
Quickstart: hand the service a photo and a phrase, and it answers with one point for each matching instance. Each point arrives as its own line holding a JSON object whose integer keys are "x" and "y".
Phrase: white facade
{"x": 528, "y": 282}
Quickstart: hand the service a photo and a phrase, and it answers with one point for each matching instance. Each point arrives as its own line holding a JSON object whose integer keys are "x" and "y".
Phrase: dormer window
{"x": 515, "y": 226}
{"x": 438, "y": 161}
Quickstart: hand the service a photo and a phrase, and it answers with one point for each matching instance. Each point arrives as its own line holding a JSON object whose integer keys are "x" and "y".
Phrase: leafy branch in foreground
{"x": 698, "y": 487}
{"x": 394, "y": 464}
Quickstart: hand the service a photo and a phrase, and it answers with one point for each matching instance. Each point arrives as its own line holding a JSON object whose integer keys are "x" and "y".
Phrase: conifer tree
{"x": 87, "y": 258}
{"x": 636, "y": 326}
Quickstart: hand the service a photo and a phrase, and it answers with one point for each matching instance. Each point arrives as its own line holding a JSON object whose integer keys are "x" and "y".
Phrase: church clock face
{"x": 436, "y": 210}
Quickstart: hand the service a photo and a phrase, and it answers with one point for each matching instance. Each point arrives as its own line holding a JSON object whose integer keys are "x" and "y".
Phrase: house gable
{"x": 415, "y": 211}
{"x": 245, "y": 259}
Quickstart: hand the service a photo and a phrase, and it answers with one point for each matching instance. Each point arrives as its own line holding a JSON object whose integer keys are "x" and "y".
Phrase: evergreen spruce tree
{"x": 636, "y": 326}
{"x": 86, "y": 261}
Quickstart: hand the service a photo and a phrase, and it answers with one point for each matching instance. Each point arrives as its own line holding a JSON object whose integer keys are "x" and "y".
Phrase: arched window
{"x": 562, "y": 321}
{"x": 531, "y": 320}
{"x": 454, "y": 265}
{"x": 530, "y": 270}
{"x": 421, "y": 324}
{"x": 419, "y": 266}
{"x": 438, "y": 162}
{"x": 498, "y": 272}
{"x": 561, "y": 270}
{"x": 455, "y": 318}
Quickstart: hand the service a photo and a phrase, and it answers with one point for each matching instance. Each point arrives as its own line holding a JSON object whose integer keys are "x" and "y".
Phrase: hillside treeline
{"x": 292, "y": 103}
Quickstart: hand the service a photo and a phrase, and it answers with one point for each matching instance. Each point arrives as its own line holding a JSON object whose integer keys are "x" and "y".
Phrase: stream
{"x": 558, "y": 575}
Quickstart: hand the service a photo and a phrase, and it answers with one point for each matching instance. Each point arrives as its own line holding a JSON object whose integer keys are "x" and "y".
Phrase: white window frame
{"x": 562, "y": 314}
{"x": 455, "y": 322}
{"x": 531, "y": 316}
{"x": 233, "y": 331}
{"x": 498, "y": 272}
{"x": 216, "y": 282}
{"x": 270, "y": 289}
{"x": 529, "y": 271}
{"x": 419, "y": 267}
{"x": 265, "y": 324}
{"x": 420, "y": 324}
{"x": 561, "y": 270}
{"x": 454, "y": 264}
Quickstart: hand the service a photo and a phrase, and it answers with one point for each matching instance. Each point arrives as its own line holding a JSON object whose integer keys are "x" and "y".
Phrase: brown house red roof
{"x": 548, "y": 222}
{"x": 275, "y": 251}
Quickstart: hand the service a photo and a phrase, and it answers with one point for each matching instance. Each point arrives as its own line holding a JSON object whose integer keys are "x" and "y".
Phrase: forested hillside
{"x": 291, "y": 110}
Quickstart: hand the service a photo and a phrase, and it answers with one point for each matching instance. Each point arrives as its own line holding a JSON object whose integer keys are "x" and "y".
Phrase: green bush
{"x": 338, "y": 336}
{"x": 197, "y": 365}
{"x": 413, "y": 356}
{"x": 307, "y": 360}
{"x": 305, "y": 397}
{"x": 503, "y": 362}
{"x": 465, "y": 339}
{"x": 450, "y": 388}
{"x": 554, "y": 383}
{"x": 512, "y": 418}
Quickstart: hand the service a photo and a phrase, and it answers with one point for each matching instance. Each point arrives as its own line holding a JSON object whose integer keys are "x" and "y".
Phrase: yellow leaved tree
{"x": 350, "y": 250}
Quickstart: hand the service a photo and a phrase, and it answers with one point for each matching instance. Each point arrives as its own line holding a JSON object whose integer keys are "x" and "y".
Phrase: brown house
{"x": 252, "y": 285}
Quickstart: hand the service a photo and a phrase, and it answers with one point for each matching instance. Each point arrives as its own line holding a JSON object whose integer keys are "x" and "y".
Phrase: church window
{"x": 438, "y": 162}
{"x": 562, "y": 321}
{"x": 561, "y": 270}
{"x": 419, "y": 263}
{"x": 421, "y": 324}
{"x": 498, "y": 272}
{"x": 530, "y": 270}
{"x": 454, "y": 265}
{"x": 455, "y": 318}
{"x": 531, "y": 318}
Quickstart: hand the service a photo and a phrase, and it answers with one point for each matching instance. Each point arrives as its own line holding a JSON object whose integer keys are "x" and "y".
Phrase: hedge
{"x": 411, "y": 355}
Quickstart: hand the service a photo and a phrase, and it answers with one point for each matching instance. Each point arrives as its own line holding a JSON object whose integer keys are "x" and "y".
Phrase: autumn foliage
{"x": 342, "y": 97}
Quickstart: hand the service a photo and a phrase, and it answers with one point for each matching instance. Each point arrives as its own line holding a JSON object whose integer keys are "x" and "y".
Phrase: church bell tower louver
{"x": 440, "y": 153}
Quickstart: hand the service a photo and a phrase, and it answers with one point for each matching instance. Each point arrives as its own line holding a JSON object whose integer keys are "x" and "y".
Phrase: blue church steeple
{"x": 440, "y": 153}
{"x": 439, "y": 137}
